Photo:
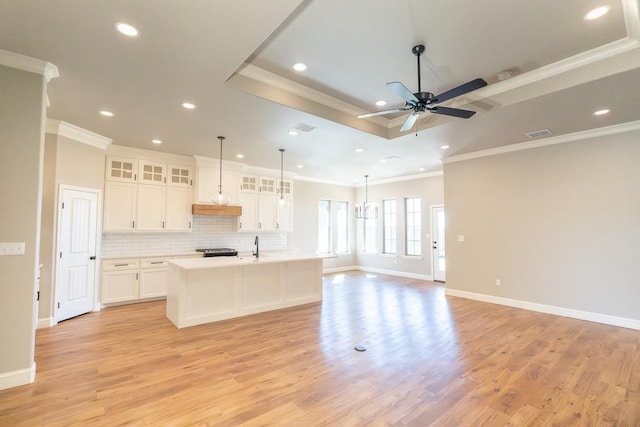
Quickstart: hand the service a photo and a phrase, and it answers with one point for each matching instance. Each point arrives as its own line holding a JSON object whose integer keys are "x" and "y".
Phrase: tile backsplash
{"x": 208, "y": 232}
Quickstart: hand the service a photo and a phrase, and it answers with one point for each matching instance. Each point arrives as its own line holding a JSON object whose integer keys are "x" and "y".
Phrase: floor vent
{"x": 304, "y": 127}
{"x": 539, "y": 133}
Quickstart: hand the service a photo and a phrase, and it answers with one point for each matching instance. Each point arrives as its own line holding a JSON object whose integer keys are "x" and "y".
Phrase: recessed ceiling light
{"x": 601, "y": 112}
{"x": 240, "y": 156}
{"x": 383, "y": 160}
{"x": 126, "y": 29}
{"x": 421, "y": 169}
{"x": 106, "y": 113}
{"x": 445, "y": 147}
{"x": 188, "y": 105}
{"x": 597, "y": 12}
{"x": 293, "y": 133}
{"x": 300, "y": 166}
{"x": 300, "y": 66}
{"x": 156, "y": 141}
{"x": 381, "y": 103}
{"x": 359, "y": 150}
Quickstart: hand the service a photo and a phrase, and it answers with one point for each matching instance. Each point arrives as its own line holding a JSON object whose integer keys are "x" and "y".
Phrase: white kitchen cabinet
{"x": 284, "y": 214}
{"x": 151, "y": 205}
{"x": 120, "y": 280}
{"x": 209, "y": 180}
{"x": 248, "y": 221}
{"x": 267, "y": 212}
{"x": 119, "y": 206}
{"x": 154, "y": 276}
{"x": 180, "y": 176}
{"x": 178, "y": 215}
{"x": 152, "y": 173}
{"x": 121, "y": 169}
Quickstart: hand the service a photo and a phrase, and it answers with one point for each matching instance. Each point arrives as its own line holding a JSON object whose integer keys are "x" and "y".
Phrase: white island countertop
{"x": 246, "y": 259}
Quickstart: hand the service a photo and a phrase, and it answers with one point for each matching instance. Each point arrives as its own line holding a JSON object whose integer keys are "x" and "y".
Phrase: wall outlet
{"x": 498, "y": 282}
{"x": 12, "y": 248}
{"x": 460, "y": 238}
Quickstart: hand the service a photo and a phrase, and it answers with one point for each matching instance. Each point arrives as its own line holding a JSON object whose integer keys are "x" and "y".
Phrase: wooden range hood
{"x": 220, "y": 210}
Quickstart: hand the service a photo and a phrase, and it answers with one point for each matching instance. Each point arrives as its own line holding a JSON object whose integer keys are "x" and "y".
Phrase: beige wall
{"x": 430, "y": 190}
{"x": 558, "y": 225}
{"x": 305, "y": 218}
{"x": 21, "y": 153}
{"x": 66, "y": 162}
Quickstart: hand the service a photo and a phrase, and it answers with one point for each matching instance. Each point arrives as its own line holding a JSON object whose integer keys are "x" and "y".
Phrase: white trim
{"x": 46, "y": 322}
{"x": 27, "y": 63}
{"x": 631, "y": 18}
{"x": 404, "y": 178}
{"x": 76, "y": 133}
{"x": 321, "y": 181}
{"x": 528, "y": 145}
{"x": 379, "y": 271}
{"x": 340, "y": 269}
{"x": 17, "y": 378}
{"x": 549, "y": 309}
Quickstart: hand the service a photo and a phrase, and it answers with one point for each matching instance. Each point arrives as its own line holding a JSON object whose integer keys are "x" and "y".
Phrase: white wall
{"x": 306, "y": 195}
{"x": 558, "y": 225}
{"x": 22, "y": 97}
{"x": 430, "y": 190}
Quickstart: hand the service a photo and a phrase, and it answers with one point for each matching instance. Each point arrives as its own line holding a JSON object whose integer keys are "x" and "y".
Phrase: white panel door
{"x": 437, "y": 232}
{"x": 77, "y": 247}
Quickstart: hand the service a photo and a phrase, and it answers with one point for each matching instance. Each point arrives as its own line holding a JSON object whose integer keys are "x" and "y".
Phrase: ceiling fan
{"x": 420, "y": 102}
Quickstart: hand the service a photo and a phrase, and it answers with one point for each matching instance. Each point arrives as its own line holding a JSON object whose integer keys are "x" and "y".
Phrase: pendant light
{"x": 221, "y": 198}
{"x": 281, "y": 175}
{"x": 366, "y": 210}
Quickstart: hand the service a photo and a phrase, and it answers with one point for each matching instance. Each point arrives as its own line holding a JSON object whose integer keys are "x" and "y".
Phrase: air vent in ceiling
{"x": 539, "y": 133}
{"x": 304, "y": 127}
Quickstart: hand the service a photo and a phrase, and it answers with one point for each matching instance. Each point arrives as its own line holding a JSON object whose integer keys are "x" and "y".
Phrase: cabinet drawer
{"x": 153, "y": 262}
{"x": 120, "y": 264}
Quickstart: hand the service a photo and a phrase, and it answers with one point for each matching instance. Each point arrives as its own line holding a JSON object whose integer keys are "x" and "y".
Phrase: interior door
{"x": 77, "y": 247}
{"x": 437, "y": 231}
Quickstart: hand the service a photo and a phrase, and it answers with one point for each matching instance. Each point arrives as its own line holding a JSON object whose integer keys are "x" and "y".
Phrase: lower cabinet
{"x": 133, "y": 279}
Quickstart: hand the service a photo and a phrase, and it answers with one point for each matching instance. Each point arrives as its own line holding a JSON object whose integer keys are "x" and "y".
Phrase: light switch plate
{"x": 12, "y": 248}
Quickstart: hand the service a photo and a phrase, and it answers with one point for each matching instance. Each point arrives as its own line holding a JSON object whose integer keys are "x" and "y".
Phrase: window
{"x": 324, "y": 226}
{"x": 413, "y": 226}
{"x": 370, "y": 232}
{"x": 389, "y": 227}
{"x": 342, "y": 226}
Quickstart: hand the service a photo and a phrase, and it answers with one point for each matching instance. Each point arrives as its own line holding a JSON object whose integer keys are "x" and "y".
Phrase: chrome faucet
{"x": 257, "y": 252}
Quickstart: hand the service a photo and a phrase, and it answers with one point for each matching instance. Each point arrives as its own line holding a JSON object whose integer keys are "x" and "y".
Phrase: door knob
{"x": 92, "y": 258}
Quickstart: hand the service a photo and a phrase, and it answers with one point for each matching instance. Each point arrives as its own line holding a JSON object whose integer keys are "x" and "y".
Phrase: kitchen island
{"x": 203, "y": 290}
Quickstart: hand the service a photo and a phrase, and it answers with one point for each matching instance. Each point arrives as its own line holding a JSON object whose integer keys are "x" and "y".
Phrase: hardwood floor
{"x": 429, "y": 360}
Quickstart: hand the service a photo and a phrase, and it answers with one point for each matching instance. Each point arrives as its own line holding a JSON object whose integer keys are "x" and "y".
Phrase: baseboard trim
{"x": 379, "y": 271}
{"x": 46, "y": 322}
{"x": 17, "y": 378}
{"x": 549, "y": 309}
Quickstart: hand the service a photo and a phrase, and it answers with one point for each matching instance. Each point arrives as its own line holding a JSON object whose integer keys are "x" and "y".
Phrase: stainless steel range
{"x": 218, "y": 252}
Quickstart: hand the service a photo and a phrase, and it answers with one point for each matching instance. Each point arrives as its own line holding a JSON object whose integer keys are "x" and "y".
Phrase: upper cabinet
{"x": 143, "y": 195}
{"x": 208, "y": 181}
{"x": 262, "y": 207}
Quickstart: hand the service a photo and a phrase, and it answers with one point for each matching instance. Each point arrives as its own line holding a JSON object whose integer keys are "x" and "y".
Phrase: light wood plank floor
{"x": 430, "y": 360}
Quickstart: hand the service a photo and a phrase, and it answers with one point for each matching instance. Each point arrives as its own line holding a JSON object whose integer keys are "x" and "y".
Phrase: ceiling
{"x": 233, "y": 60}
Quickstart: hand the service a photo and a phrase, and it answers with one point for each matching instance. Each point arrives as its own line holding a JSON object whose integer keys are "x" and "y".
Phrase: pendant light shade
{"x": 368, "y": 210}
{"x": 221, "y": 198}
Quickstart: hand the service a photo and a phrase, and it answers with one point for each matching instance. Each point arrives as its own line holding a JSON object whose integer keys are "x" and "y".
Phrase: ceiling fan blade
{"x": 457, "y": 91}
{"x": 455, "y": 112}
{"x": 403, "y": 92}
{"x": 383, "y": 112}
{"x": 408, "y": 124}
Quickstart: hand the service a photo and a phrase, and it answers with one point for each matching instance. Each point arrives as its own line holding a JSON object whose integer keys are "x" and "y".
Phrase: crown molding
{"x": 322, "y": 181}
{"x": 76, "y": 133}
{"x": 27, "y": 63}
{"x": 561, "y": 139}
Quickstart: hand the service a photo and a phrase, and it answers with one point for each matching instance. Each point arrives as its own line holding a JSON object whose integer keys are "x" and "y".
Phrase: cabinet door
{"x": 178, "y": 209}
{"x": 268, "y": 185}
{"x": 248, "y": 221}
{"x": 119, "y": 286}
{"x": 153, "y": 282}
{"x": 119, "y": 206}
{"x": 180, "y": 176}
{"x": 267, "y": 212}
{"x": 151, "y": 207}
{"x": 121, "y": 169}
{"x": 285, "y": 187}
{"x": 284, "y": 214}
{"x": 249, "y": 183}
{"x": 152, "y": 173}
